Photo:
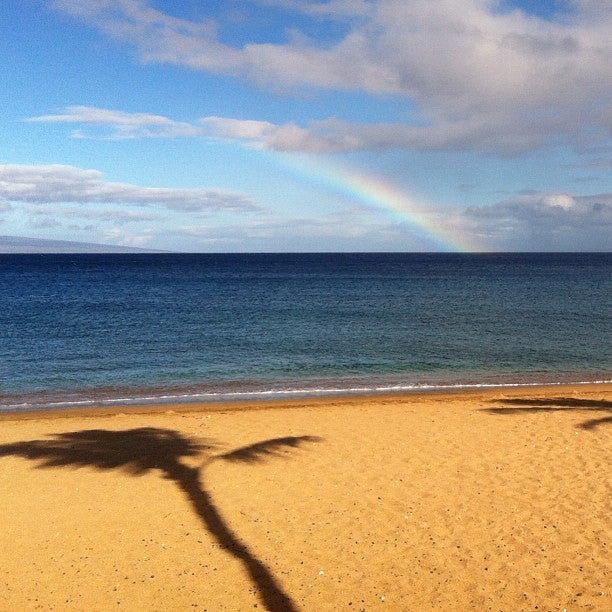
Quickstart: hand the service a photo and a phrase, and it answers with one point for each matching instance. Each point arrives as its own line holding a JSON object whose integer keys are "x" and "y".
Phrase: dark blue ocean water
{"x": 76, "y": 329}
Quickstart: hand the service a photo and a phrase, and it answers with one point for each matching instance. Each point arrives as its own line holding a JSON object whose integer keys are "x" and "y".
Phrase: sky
{"x": 303, "y": 125}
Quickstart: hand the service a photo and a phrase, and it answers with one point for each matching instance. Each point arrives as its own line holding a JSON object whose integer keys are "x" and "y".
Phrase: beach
{"x": 488, "y": 499}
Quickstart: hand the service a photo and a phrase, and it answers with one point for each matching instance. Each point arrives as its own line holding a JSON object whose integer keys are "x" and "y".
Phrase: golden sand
{"x": 496, "y": 500}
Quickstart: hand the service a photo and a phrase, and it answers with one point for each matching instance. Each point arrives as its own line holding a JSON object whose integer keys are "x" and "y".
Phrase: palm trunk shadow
{"x": 138, "y": 451}
{"x": 189, "y": 481}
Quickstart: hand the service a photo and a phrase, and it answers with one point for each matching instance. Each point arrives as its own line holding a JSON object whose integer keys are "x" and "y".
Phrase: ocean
{"x": 85, "y": 329}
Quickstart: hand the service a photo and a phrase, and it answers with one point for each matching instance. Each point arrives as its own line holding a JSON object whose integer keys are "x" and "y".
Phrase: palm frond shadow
{"x": 556, "y": 404}
{"x": 141, "y": 450}
{"x": 260, "y": 451}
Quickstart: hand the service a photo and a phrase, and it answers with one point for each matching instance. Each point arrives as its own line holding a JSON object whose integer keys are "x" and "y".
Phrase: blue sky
{"x": 295, "y": 125}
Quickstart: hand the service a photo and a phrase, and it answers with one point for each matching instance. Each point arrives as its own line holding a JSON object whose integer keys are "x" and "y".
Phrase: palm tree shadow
{"x": 556, "y": 404}
{"x": 138, "y": 451}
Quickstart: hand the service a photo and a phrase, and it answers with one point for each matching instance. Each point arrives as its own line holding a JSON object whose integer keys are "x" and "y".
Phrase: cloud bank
{"x": 482, "y": 78}
{"x": 328, "y": 136}
{"x": 552, "y": 221}
{"x": 525, "y": 222}
{"x": 69, "y": 184}
{"x": 55, "y": 196}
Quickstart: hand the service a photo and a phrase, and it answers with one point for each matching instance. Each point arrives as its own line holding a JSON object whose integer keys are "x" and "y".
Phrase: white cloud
{"x": 117, "y": 216}
{"x": 328, "y": 9}
{"x": 121, "y": 237}
{"x": 482, "y": 78}
{"x": 125, "y": 125}
{"x": 327, "y": 136}
{"x": 63, "y": 184}
{"x": 547, "y": 221}
{"x": 527, "y": 222}
{"x": 352, "y": 229}
{"x": 605, "y": 164}
{"x": 563, "y": 207}
{"x": 240, "y": 129}
{"x": 334, "y": 135}
{"x": 44, "y": 223}
{"x": 266, "y": 135}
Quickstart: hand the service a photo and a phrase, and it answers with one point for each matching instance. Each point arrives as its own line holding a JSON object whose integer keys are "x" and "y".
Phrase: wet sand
{"x": 488, "y": 500}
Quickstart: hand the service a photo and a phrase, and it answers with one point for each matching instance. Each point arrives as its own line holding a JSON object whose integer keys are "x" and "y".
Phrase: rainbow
{"x": 380, "y": 194}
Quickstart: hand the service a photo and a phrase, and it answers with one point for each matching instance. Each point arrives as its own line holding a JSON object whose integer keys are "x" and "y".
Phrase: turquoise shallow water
{"x": 77, "y": 329}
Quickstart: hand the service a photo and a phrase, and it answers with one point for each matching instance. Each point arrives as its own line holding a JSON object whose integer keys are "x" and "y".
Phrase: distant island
{"x": 21, "y": 244}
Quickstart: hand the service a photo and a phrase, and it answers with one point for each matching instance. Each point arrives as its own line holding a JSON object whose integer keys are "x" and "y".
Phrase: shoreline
{"x": 97, "y": 398}
{"x": 335, "y": 400}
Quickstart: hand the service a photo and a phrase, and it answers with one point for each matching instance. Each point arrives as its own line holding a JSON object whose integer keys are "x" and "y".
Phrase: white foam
{"x": 216, "y": 396}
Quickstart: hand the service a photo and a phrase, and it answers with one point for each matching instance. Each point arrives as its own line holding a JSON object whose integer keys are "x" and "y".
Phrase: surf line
{"x": 379, "y": 194}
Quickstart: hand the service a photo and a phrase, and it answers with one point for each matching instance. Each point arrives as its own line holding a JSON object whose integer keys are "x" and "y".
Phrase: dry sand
{"x": 495, "y": 500}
